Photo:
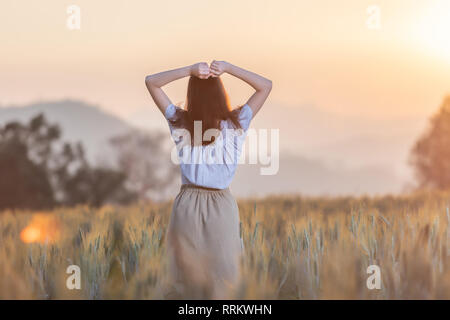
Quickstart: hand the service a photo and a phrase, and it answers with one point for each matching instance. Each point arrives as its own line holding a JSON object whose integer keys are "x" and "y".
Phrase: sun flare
{"x": 42, "y": 228}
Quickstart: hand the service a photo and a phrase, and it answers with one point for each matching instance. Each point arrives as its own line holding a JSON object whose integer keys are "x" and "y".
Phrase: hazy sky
{"x": 317, "y": 52}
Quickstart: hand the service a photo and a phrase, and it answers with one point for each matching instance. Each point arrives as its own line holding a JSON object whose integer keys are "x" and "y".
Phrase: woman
{"x": 203, "y": 241}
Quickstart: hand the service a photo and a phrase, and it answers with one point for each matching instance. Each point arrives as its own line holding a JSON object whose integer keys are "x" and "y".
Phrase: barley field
{"x": 295, "y": 248}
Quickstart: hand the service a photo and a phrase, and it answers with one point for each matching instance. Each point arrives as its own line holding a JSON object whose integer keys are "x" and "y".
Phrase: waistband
{"x": 200, "y": 188}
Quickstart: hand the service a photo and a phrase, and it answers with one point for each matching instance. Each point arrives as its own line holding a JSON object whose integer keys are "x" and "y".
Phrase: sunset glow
{"x": 242, "y": 150}
{"x": 338, "y": 83}
{"x": 320, "y": 52}
{"x": 43, "y": 228}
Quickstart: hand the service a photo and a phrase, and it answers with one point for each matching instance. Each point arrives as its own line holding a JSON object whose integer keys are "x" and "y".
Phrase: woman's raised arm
{"x": 155, "y": 81}
{"x": 262, "y": 85}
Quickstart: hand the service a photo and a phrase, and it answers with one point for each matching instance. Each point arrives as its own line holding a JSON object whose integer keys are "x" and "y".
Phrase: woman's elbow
{"x": 268, "y": 85}
{"x": 148, "y": 80}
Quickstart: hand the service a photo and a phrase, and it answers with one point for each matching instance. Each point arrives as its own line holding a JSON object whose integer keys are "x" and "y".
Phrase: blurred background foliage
{"x": 40, "y": 171}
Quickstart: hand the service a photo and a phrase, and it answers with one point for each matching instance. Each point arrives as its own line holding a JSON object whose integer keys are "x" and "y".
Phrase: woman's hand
{"x": 218, "y": 67}
{"x": 262, "y": 85}
{"x": 200, "y": 70}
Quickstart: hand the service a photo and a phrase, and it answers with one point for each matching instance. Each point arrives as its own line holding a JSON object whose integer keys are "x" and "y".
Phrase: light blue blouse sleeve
{"x": 245, "y": 116}
{"x": 170, "y": 112}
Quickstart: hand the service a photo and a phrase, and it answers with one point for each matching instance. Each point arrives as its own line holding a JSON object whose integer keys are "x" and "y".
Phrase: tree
{"x": 23, "y": 184}
{"x": 142, "y": 157}
{"x": 76, "y": 181}
{"x": 24, "y": 153}
{"x": 39, "y": 171}
{"x": 430, "y": 155}
{"x": 95, "y": 186}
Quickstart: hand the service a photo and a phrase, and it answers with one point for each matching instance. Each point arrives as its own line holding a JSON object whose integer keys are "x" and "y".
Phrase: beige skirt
{"x": 203, "y": 244}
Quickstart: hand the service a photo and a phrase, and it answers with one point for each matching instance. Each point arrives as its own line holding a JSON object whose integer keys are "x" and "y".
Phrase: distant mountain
{"x": 327, "y": 140}
{"x": 312, "y": 177}
{"x": 78, "y": 120}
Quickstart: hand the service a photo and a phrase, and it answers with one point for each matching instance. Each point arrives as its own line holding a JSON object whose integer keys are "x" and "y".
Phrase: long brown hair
{"x": 206, "y": 101}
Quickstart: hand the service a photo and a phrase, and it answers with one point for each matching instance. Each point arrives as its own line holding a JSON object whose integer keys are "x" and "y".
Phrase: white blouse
{"x": 213, "y": 165}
